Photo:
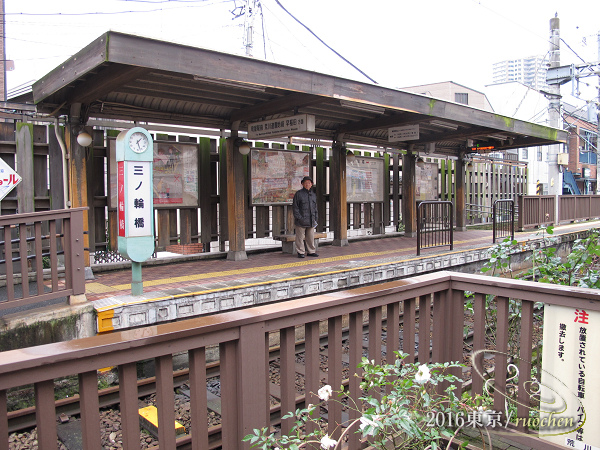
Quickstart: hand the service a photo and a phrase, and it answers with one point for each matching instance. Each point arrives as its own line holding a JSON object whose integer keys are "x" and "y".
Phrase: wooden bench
{"x": 288, "y": 241}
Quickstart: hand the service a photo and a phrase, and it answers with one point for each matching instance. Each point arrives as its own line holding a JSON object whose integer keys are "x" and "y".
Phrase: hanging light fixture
{"x": 243, "y": 146}
{"x": 84, "y": 139}
{"x": 350, "y": 156}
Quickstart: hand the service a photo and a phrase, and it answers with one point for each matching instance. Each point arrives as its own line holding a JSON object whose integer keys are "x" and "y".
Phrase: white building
{"x": 453, "y": 92}
{"x": 530, "y": 71}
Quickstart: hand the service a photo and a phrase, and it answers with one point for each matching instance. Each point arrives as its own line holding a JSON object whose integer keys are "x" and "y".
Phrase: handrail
{"x": 243, "y": 347}
{"x": 38, "y": 239}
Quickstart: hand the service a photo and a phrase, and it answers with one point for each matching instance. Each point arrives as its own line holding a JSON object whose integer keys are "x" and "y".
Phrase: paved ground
{"x": 272, "y": 265}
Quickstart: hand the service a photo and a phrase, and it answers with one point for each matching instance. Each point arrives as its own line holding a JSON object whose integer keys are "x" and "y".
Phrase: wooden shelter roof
{"x": 127, "y": 77}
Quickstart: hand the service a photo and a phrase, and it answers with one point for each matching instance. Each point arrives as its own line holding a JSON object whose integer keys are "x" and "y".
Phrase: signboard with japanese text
{"x": 9, "y": 179}
{"x": 364, "y": 180}
{"x": 406, "y": 133}
{"x": 135, "y": 208}
{"x": 276, "y": 175}
{"x": 283, "y": 126}
{"x": 139, "y": 202}
{"x": 426, "y": 182}
{"x": 570, "y": 398}
{"x": 175, "y": 175}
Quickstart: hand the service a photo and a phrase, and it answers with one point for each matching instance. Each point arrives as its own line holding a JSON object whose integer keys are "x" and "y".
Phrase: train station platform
{"x": 208, "y": 283}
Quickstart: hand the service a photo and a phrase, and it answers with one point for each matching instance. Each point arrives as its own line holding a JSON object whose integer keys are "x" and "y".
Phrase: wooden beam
{"x": 282, "y": 104}
{"x": 104, "y": 82}
{"x": 384, "y": 122}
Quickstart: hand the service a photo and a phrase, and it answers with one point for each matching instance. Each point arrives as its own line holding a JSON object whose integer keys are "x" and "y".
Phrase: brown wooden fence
{"x": 32, "y": 245}
{"x": 578, "y": 207}
{"x": 35, "y": 149}
{"x": 242, "y": 338}
{"x": 538, "y": 210}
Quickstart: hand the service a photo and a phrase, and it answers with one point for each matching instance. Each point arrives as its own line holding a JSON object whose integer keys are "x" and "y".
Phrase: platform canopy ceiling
{"x": 126, "y": 77}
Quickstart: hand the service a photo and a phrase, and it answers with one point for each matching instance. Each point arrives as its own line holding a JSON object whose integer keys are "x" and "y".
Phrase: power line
{"x": 323, "y": 42}
{"x": 110, "y": 13}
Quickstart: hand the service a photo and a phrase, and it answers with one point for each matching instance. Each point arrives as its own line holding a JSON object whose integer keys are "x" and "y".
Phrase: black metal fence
{"x": 504, "y": 219}
{"x": 435, "y": 224}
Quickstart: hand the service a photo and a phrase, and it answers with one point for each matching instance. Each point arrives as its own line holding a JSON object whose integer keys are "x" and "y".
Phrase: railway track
{"x": 24, "y": 419}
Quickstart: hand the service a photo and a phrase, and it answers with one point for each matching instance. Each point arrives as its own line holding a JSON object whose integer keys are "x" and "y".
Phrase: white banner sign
{"x": 9, "y": 179}
{"x": 285, "y": 126}
{"x": 407, "y": 133}
{"x": 570, "y": 399}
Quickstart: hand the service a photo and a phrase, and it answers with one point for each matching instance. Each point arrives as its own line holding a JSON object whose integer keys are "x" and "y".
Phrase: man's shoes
{"x": 313, "y": 254}
{"x": 300, "y": 255}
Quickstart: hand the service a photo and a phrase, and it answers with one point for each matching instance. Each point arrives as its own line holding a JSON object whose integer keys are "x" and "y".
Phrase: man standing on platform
{"x": 306, "y": 217}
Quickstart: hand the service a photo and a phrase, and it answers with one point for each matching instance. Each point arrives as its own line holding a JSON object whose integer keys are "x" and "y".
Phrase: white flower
{"x": 423, "y": 375}
{"x": 326, "y": 442}
{"x": 325, "y": 392}
{"x": 364, "y": 422}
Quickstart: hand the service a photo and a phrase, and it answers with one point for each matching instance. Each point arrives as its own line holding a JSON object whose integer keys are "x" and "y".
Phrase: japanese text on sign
{"x": 285, "y": 126}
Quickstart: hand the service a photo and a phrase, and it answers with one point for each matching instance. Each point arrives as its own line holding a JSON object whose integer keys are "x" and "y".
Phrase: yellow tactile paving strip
{"x": 98, "y": 288}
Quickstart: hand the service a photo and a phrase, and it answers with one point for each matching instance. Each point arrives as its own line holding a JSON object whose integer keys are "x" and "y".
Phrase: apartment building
{"x": 530, "y": 71}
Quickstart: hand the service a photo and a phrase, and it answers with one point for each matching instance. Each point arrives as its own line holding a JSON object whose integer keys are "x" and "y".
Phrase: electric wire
{"x": 323, "y": 42}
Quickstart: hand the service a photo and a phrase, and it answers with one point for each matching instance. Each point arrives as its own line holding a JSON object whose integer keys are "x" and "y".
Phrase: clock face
{"x": 138, "y": 142}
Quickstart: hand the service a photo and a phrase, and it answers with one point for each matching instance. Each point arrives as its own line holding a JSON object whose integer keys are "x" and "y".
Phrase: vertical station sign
{"x": 570, "y": 398}
{"x": 134, "y": 155}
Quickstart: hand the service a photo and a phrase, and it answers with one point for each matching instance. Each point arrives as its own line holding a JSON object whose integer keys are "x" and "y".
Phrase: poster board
{"x": 570, "y": 399}
{"x": 364, "y": 180}
{"x": 276, "y": 175}
{"x": 175, "y": 175}
{"x": 426, "y": 186}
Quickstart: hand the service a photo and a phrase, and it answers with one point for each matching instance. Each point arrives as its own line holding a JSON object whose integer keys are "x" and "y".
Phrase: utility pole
{"x": 250, "y": 12}
{"x": 554, "y": 175}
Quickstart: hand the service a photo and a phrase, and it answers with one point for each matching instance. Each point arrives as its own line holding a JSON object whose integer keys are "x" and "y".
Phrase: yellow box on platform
{"x": 149, "y": 421}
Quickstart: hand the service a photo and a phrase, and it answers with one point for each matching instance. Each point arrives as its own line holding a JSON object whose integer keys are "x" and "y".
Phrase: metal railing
{"x": 503, "y": 219}
{"x": 578, "y": 207}
{"x": 435, "y": 224}
{"x": 536, "y": 210}
{"x": 31, "y": 247}
{"x": 242, "y": 338}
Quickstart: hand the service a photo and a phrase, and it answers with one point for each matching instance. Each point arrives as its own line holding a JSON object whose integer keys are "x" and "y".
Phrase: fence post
{"x": 76, "y": 259}
{"x": 252, "y": 380}
{"x": 521, "y": 203}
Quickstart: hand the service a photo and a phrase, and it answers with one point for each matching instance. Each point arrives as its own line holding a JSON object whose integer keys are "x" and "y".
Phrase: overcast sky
{"x": 395, "y": 42}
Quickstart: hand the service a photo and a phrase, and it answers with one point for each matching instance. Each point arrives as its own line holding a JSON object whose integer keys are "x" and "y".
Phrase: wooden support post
{"x": 320, "y": 184}
{"x": 207, "y": 187}
{"x": 338, "y": 212}
{"x": 223, "y": 210}
{"x": 409, "y": 207}
{"x": 25, "y": 191}
{"x": 235, "y": 202}
{"x": 459, "y": 198}
{"x": 396, "y": 190}
{"x": 163, "y": 229}
{"x": 79, "y": 184}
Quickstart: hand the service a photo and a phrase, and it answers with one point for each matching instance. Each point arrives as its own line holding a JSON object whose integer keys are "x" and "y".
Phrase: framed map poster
{"x": 364, "y": 180}
{"x": 426, "y": 182}
{"x": 276, "y": 175}
{"x": 175, "y": 175}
